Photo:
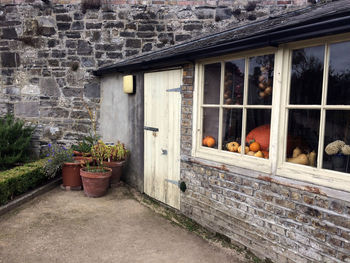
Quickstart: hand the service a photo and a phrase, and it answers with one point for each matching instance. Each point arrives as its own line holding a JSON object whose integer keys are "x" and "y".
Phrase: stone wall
{"x": 48, "y": 50}
{"x": 275, "y": 218}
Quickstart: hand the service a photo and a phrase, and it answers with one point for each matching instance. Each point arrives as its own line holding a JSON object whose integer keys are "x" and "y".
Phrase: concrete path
{"x": 68, "y": 227}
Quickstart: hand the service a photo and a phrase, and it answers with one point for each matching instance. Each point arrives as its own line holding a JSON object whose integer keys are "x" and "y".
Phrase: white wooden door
{"x": 162, "y": 136}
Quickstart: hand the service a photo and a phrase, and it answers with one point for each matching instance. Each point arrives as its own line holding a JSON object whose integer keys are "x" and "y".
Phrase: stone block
{"x": 46, "y": 26}
{"x": 79, "y": 115}
{"x": 205, "y": 13}
{"x": 71, "y": 44}
{"x": 192, "y": 27}
{"x": 84, "y": 48}
{"x": 56, "y": 53}
{"x": 52, "y": 133}
{"x": 93, "y": 25}
{"x": 63, "y": 18}
{"x": 92, "y": 90}
{"x": 78, "y": 25}
{"x": 30, "y": 90}
{"x": 9, "y": 59}
{"x": 133, "y": 43}
{"x": 87, "y": 62}
{"x": 9, "y": 33}
{"x": 72, "y": 92}
{"x": 223, "y": 14}
{"x": 129, "y": 53}
{"x": 181, "y": 37}
{"x": 114, "y": 25}
{"x": 48, "y": 87}
{"x": 54, "y": 113}
{"x": 73, "y": 34}
{"x": 146, "y": 27}
{"x": 63, "y": 26}
{"x": 27, "y": 109}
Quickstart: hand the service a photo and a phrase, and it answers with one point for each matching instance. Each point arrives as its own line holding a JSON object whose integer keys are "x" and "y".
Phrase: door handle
{"x": 164, "y": 152}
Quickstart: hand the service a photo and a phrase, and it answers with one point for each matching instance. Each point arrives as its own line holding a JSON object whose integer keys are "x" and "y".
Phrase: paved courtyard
{"x": 62, "y": 226}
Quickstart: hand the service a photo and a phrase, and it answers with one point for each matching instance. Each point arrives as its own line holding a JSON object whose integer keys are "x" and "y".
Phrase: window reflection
{"x": 302, "y": 140}
{"x": 260, "y": 80}
{"x": 307, "y": 75}
{"x": 339, "y": 74}
{"x": 232, "y": 129}
{"x": 212, "y": 75}
{"x": 337, "y": 140}
{"x": 234, "y": 82}
{"x": 210, "y": 127}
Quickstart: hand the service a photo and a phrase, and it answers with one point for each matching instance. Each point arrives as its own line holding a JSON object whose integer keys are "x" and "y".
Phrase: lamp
{"x": 129, "y": 83}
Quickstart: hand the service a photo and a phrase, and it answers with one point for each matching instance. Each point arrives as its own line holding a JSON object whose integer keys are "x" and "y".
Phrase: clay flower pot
{"x": 117, "y": 170}
{"x": 71, "y": 176}
{"x": 95, "y": 183}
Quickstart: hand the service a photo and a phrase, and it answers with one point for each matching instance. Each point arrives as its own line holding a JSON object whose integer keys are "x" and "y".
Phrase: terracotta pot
{"x": 95, "y": 183}
{"x": 83, "y": 158}
{"x": 71, "y": 175}
{"x": 117, "y": 171}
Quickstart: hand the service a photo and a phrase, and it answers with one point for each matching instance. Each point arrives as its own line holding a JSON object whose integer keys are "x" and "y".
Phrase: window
{"x": 294, "y": 101}
{"x": 235, "y": 107}
{"x": 318, "y": 107}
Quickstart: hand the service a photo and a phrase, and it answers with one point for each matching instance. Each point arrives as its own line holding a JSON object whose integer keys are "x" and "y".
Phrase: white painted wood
{"x": 162, "y": 111}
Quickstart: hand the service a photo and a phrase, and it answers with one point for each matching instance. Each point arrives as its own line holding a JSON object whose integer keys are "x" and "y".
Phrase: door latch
{"x": 164, "y": 152}
{"x": 180, "y": 184}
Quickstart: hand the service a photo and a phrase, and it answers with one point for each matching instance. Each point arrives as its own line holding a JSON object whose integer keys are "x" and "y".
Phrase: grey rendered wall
{"x": 121, "y": 118}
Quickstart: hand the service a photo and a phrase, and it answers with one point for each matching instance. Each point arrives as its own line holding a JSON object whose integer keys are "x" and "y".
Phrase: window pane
{"x": 307, "y": 76}
{"x": 232, "y": 129}
{"x": 339, "y": 74}
{"x": 210, "y": 127}
{"x": 258, "y": 132}
{"x": 212, "y": 74}
{"x": 234, "y": 82}
{"x": 336, "y": 140}
{"x": 260, "y": 80}
{"x": 303, "y": 132}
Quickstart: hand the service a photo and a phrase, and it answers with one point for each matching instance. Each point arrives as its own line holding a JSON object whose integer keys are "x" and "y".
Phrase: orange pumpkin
{"x": 208, "y": 141}
{"x": 254, "y": 146}
{"x": 261, "y": 135}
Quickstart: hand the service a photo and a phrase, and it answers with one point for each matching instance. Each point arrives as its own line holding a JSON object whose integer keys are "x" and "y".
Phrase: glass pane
{"x": 234, "y": 82}
{"x": 307, "y": 76}
{"x": 336, "y": 141}
{"x": 232, "y": 129}
{"x": 210, "y": 127}
{"x": 260, "y": 80}
{"x": 212, "y": 74}
{"x": 303, "y": 132}
{"x": 258, "y": 132}
{"x": 339, "y": 74}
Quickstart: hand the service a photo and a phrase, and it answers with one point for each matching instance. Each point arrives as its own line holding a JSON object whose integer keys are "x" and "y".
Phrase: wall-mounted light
{"x": 129, "y": 84}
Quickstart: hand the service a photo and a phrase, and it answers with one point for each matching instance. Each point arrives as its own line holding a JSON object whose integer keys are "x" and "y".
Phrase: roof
{"x": 313, "y": 21}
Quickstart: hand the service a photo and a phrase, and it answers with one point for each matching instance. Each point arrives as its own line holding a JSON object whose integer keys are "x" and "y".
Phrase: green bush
{"x": 15, "y": 139}
{"x": 20, "y": 179}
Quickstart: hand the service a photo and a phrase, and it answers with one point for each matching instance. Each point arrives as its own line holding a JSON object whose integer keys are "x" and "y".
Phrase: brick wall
{"x": 281, "y": 221}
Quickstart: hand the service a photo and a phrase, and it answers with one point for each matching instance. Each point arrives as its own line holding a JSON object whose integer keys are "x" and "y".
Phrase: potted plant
{"x": 115, "y": 158}
{"x": 96, "y": 178}
{"x": 61, "y": 160}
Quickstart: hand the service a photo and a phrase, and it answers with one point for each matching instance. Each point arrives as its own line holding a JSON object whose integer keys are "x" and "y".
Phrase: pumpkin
{"x": 251, "y": 153}
{"x": 246, "y": 149}
{"x": 254, "y": 146}
{"x": 261, "y": 135}
{"x": 232, "y": 146}
{"x": 209, "y": 141}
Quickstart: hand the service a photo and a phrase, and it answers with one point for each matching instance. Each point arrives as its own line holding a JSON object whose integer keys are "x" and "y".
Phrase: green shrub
{"x": 15, "y": 139}
{"x": 20, "y": 179}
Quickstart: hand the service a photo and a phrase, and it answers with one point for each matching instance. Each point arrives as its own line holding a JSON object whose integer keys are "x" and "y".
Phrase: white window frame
{"x": 276, "y": 164}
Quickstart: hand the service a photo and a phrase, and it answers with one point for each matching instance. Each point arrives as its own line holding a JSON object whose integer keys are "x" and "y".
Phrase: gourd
{"x": 296, "y": 152}
{"x": 312, "y": 158}
{"x": 266, "y": 154}
{"x": 300, "y": 159}
{"x": 232, "y": 146}
{"x": 259, "y": 154}
{"x": 251, "y": 153}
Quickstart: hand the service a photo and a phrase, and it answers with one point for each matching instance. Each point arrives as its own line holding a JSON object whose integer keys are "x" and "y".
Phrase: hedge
{"x": 20, "y": 179}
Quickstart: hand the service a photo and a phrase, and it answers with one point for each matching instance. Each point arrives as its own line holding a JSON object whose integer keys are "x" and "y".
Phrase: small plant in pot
{"x": 61, "y": 160}
{"x": 96, "y": 178}
{"x": 115, "y": 158}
